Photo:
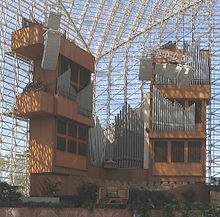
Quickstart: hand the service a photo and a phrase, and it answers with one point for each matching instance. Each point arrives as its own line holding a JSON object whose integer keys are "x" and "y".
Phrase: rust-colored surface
{"x": 177, "y": 169}
{"x": 93, "y": 174}
{"x": 77, "y": 54}
{"x": 181, "y": 179}
{"x": 42, "y": 144}
{"x": 191, "y": 92}
{"x": 40, "y": 157}
{"x": 34, "y": 104}
{"x": 69, "y": 184}
{"x": 40, "y": 103}
{"x": 43, "y": 129}
{"x": 66, "y": 212}
{"x": 43, "y": 154}
{"x": 135, "y": 175}
{"x": 184, "y": 171}
{"x": 74, "y": 161}
{"x": 177, "y": 134}
{"x": 69, "y": 109}
{"x": 29, "y": 43}
{"x": 48, "y": 77}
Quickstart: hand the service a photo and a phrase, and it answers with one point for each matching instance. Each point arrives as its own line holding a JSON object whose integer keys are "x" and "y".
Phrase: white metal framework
{"x": 118, "y": 33}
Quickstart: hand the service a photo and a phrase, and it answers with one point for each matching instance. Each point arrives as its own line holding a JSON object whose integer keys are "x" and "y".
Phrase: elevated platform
{"x": 40, "y": 103}
{"x": 197, "y": 92}
{"x": 29, "y": 42}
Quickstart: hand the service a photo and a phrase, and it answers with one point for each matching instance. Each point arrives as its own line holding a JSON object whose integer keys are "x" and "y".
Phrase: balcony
{"x": 29, "y": 42}
{"x": 34, "y": 104}
{"x": 177, "y": 169}
{"x": 177, "y": 134}
{"x": 37, "y": 104}
{"x": 191, "y": 92}
{"x": 178, "y": 113}
{"x": 40, "y": 157}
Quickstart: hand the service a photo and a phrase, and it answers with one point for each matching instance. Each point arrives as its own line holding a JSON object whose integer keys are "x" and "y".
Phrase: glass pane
{"x": 194, "y": 151}
{"x": 72, "y": 130}
{"x": 61, "y": 127}
{"x": 177, "y": 151}
{"x": 84, "y": 77}
{"x": 61, "y": 143}
{"x": 71, "y": 146}
{"x": 83, "y": 133}
{"x": 160, "y": 151}
{"x": 74, "y": 72}
{"x": 64, "y": 65}
{"x": 82, "y": 149}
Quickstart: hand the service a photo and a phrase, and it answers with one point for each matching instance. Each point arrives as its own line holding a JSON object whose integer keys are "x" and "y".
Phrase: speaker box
{"x": 145, "y": 70}
{"x": 53, "y": 20}
{"x": 51, "y": 49}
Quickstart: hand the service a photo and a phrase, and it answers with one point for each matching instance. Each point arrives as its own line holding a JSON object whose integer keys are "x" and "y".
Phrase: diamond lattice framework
{"x": 118, "y": 33}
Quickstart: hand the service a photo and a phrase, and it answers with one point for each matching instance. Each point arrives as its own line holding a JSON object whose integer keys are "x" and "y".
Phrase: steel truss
{"x": 118, "y": 33}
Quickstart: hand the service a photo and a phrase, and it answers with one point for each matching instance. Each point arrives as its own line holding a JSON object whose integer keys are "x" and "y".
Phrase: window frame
{"x": 198, "y": 150}
{"x": 156, "y": 143}
{"x": 80, "y": 72}
{"x": 178, "y": 143}
{"x": 71, "y": 138}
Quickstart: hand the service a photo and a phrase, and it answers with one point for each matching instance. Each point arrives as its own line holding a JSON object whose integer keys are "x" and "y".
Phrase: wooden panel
{"x": 191, "y": 92}
{"x": 32, "y": 104}
{"x": 69, "y": 109}
{"x": 177, "y": 169}
{"x": 70, "y": 160}
{"x": 96, "y": 175}
{"x": 76, "y": 54}
{"x": 38, "y": 104}
{"x": 40, "y": 157}
{"x": 48, "y": 77}
{"x": 43, "y": 130}
{"x": 42, "y": 140}
{"x": 28, "y": 41}
{"x": 177, "y": 134}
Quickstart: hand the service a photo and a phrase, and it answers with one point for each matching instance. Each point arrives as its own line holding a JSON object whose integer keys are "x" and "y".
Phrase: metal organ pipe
{"x": 171, "y": 116}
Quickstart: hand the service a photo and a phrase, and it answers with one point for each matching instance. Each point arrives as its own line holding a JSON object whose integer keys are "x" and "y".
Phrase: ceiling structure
{"x": 118, "y": 33}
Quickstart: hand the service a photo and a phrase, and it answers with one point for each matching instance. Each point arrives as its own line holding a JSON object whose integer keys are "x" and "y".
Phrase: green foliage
{"x": 50, "y": 189}
{"x": 8, "y": 193}
{"x": 140, "y": 202}
{"x": 213, "y": 210}
{"x": 188, "y": 198}
{"x": 143, "y": 201}
{"x": 87, "y": 194}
